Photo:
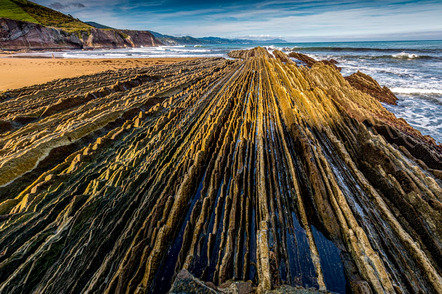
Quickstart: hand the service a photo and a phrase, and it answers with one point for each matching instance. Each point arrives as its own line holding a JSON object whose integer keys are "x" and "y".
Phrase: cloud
{"x": 259, "y": 37}
{"x": 60, "y": 6}
{"x": 294, "y": 20}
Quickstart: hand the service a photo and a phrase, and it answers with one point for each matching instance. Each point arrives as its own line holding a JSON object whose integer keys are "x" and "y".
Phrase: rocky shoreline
{"x": 253, "y": 173}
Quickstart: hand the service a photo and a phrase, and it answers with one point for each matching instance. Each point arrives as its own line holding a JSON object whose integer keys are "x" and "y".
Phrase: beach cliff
{"x": 22, "y": 35}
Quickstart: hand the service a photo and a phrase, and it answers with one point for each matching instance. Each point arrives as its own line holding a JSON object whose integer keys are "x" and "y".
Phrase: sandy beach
{"x": 21, "y": 72}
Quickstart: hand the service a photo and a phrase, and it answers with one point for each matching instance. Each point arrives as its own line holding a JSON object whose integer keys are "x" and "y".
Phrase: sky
{"x": 296, "y": 21}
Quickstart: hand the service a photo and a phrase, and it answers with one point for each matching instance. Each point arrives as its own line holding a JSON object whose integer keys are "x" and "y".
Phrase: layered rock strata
{"x": 367, "y": 84}
{"x": 309, "y": 61}
{"x": 359, "y": 80}
{"x": 252, "y": 169}
{"x": 19, "y": 35}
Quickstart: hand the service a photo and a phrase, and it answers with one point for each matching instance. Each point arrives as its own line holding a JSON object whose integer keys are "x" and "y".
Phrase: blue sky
{"x": 317, "y": 20}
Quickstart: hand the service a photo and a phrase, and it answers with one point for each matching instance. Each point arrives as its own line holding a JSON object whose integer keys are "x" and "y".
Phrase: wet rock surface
{"x": 247, "y": 173}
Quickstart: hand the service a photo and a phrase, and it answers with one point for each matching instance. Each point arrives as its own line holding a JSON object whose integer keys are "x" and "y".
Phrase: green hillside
{"x": 98, "y": 25}
{"x": 9, "y": 9}
{"x": 32, "y": 12}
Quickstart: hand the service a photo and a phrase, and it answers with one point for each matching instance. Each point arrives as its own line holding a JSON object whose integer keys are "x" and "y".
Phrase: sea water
{"x": 411, "y": 69}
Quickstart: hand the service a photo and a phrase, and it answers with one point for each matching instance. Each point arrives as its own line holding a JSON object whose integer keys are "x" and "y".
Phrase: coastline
{"x": 23, "y": 72}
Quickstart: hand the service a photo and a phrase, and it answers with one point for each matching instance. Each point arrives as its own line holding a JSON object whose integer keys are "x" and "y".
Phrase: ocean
{"x": 411, "y": 69}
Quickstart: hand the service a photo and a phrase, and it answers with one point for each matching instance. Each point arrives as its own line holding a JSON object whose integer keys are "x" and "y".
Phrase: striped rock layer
{"x": 247, "y": 169}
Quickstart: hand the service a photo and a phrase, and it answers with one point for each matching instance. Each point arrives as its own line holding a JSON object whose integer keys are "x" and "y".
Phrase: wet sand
{"x": 21, "y": 72}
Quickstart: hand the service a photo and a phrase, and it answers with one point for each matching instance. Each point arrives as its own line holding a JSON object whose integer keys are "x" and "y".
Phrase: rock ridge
{"x": 253, "y": 173}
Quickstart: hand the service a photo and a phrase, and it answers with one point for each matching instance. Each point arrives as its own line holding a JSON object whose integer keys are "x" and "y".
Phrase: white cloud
{"x": 345, "y": 19}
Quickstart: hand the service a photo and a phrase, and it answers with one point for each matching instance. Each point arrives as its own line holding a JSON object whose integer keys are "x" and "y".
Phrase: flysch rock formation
{"x": 309, "y": 61}
{"x": 19, "y": 35}
{"x": 252, "y": 172}
{"x": 359, "y": 80}
{"x": 367, "y": 84}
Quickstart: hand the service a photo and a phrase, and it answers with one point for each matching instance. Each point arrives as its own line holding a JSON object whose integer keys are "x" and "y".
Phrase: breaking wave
{"x": 405, "y": 55}
{"x": 364, "y": 49}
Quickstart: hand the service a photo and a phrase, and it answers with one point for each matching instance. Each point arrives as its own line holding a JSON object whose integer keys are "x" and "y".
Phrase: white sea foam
{"x": 142, "y": 52}
{"x": 405, "y": 55}
{"x": 415, "y": 91}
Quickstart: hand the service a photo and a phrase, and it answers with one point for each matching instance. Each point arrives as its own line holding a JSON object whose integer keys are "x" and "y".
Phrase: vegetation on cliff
{"x": 9, "y": 9}
{"x": 24, "y": 10}
{"x": 27, "y": 25}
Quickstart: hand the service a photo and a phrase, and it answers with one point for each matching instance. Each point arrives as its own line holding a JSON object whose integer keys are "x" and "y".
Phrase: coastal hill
{"x": 98, "y": 25}
{"x": 189, "y": 40}
{"x": 23, "y": 10}
{"x": 27, "y": 25}
{"x": 216, "y": 176}
{"x": 184, "y": 40}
